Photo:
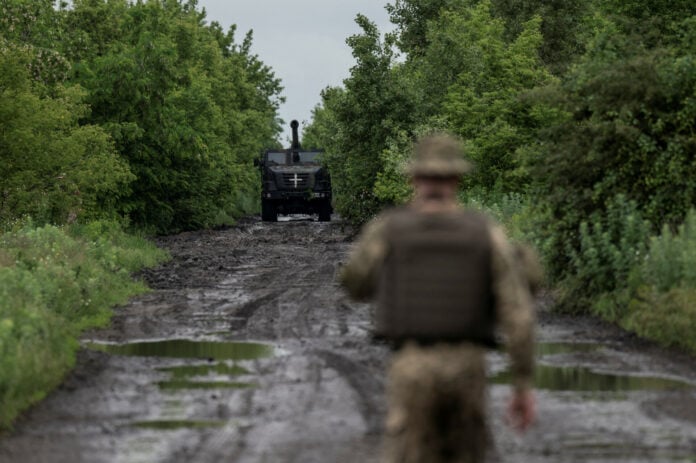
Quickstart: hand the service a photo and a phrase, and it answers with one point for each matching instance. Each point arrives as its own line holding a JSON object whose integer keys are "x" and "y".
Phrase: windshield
{"x": 277, "y": 157}
{"x": 310, "y": 156}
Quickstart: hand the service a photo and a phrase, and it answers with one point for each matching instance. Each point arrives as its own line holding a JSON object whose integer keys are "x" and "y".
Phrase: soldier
{"x": 444, "y": 279}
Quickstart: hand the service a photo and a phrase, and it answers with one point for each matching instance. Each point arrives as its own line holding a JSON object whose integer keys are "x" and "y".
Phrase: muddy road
{"x": 247, "y": 351}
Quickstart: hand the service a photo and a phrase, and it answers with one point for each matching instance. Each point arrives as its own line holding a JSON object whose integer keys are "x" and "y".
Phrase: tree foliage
{"x": 355, "y": 123}
{"x": 628, "y": 129}
{"x": 411, "y": 18}
{"x": 188, "y": 107}
{"x": 483, "y": 104}
{"x": 563, "y": 26}
{"x": 53, "y": 168}
{"x": 463, "y": 73}
{"x": 166, "y": 109}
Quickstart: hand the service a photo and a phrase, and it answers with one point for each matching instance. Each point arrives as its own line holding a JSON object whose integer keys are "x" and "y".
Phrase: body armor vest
{"x": 436, "y": 283}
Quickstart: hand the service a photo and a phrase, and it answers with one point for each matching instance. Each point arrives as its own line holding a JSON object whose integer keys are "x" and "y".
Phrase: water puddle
{"x": 186, "y": 371}
{"x": 170, "y": 425}
{"x": 177, "y": 385}
{"x": 182, "y": 377}
{"x": 184, "y": 348}
{"x": 206, "y": 365}
{"x": 583, "y": 379}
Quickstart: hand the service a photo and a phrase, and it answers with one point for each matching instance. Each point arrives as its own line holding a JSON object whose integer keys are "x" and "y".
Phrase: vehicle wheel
{"x": 269, "y": 213}
{"x": 325, "y": 212}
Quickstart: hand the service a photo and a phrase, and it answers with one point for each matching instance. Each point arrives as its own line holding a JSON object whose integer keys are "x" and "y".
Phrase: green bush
{"x": 666, "y": 317}
{"x": 625, "y": 126}
{"x": 671, "y": 261}
{"x": 392, "y": 185}
{"x": 646, "y": 286}
{"x": 54, "y": 283}
{"x": 612, "y": 245}
{"x": 663, "y": 307}
{"x": 36, "y": 346}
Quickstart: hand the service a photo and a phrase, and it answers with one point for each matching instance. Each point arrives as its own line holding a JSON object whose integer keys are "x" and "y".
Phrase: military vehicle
{"x": 294, "y": 182}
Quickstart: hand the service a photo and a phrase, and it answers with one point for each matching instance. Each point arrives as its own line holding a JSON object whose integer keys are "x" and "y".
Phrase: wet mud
{"x": 247, "y": 351}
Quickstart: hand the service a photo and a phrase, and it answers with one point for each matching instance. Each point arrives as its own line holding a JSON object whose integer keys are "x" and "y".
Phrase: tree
{"x": 564, "y": 24}
{"x": 411, "y": 18}
{"x": 467, "y": 79}
{"x": 374, "y": 105}
{"x": 52, "y": 168}
{"x": 187, "y": 107}
{"x": 483, "y": 105}
{"x": 628, "y": 130}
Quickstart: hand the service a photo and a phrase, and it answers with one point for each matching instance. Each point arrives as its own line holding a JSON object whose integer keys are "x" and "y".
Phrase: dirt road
{"x": 247, "y": 351}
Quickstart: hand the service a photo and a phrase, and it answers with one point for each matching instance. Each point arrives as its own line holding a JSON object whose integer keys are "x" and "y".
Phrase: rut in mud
{"x": 247, "y": 351}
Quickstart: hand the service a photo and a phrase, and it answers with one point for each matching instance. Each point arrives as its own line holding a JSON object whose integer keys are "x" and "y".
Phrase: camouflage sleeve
{"x": 359, "y": 275}
{"x": 515, "y": 310}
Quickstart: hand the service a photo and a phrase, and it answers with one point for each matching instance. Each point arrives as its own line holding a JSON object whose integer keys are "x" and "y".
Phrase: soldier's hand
{"x": 522, "y": 410}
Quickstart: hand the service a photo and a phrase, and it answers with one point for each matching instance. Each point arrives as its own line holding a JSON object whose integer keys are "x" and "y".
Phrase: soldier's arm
{"x": 515, "y": 310}
{"x": 359, "y": 275}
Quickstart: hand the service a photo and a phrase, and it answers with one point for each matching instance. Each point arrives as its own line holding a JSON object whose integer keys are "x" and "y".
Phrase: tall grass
{"x": 663, "y": 307}
{"x": 644, "y": 283}
{"x": 54, "y": 283}
{"x": 612, "y": 245}
{"x": 622, "y": 272}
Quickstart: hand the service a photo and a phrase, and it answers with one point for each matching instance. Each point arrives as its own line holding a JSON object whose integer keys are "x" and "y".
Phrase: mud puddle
{"x": 193, "y": 376}
{"x": 186, "y": 348}
{"x": 247, "y": 351}
{"x": 602, "y": 401}
{"x": 585, "y": 379}
{"x": 172, "y": 425}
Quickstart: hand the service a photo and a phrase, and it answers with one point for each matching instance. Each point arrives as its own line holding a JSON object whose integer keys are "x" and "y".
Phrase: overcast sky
{"x": 304, "y": 41}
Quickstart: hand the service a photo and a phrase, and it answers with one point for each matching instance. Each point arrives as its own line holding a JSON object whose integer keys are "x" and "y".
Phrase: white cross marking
{"x": 296, "y": 180}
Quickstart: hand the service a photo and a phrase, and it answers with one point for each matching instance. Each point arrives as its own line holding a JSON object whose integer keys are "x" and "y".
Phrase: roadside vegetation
{"x": 580, "y": 119}
{"x": 119, "y": 119}
{"x": 56, "y": 282}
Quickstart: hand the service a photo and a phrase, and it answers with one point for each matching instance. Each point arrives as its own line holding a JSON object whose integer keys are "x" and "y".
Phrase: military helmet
{"x": 438, "y": 155}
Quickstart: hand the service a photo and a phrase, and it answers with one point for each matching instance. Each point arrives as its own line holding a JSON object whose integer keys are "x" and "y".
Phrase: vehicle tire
{"x": 269, "y": 213}
{"x": 325, "y": 212}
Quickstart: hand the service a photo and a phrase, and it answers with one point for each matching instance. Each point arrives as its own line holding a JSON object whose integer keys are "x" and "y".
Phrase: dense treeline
{"x": 129, "y": 109}
{"x": 114, "y": 115}
{"x": 580, "y": 119}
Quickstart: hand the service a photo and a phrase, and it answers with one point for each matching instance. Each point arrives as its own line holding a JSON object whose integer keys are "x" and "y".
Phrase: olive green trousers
{"x": 436, "y": 405}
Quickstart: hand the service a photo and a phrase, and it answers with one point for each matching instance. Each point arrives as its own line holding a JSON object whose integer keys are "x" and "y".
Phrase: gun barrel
{"x": 295, "y": 137}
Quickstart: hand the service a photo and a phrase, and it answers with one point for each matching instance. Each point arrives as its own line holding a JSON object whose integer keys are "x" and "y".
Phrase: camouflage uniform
{"x": 436, "y": 391}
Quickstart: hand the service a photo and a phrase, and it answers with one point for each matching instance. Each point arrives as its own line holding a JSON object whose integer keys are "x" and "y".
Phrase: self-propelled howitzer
{"x": 294, "y": 182}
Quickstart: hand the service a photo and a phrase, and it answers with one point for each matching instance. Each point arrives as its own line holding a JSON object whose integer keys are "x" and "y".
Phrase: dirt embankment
{"x": 247, "y": 351}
